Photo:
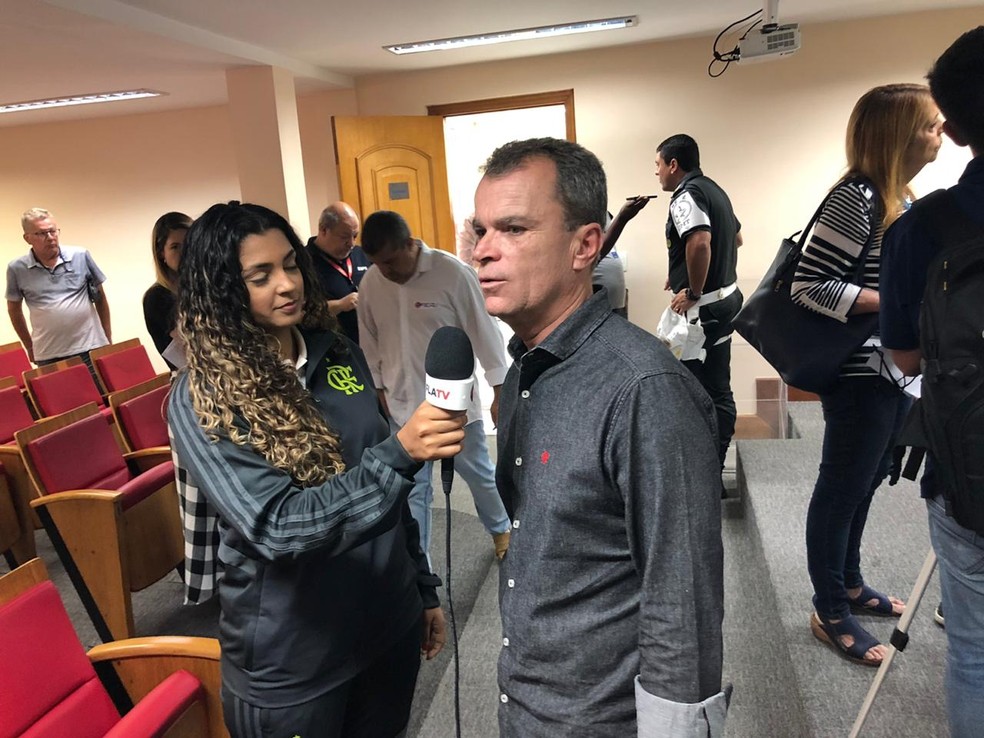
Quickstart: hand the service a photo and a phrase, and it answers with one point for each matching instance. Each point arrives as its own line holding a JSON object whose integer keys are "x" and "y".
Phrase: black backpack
{"x": 948, "y": 420}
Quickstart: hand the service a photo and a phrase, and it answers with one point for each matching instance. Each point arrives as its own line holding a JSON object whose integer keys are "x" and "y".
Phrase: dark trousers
{"x": 863, "y": 417}
{"x": 714, "y": 373}
{"x": 373, "y": 704}
{"x": 85, "y": 360}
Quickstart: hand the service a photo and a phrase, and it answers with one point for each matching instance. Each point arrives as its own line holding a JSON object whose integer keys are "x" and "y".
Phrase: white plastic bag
{"x": 684, "y": 338}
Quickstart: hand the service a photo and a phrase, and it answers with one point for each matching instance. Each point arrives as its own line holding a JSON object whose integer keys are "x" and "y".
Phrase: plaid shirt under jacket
{"x": 200, "y": 523}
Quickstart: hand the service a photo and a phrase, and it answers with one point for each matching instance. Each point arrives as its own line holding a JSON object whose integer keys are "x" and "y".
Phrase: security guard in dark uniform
{"x": 703, "y": 236}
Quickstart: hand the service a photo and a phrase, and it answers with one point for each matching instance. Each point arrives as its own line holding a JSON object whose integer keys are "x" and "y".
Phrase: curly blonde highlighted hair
{"x": 240, "y": 386}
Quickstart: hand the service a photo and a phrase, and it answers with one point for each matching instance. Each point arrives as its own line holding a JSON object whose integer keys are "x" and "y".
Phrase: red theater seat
{"x": 63, "y": 386}
{"x": 14, "y": 362}
{"x": 14, "y": 411}
{"x": 113, "y": 519}
{"x": 122, "y": 365}
{"x": 17, "y": 522}
{"x": 50, "y": 688}
{"x": 139, "y": 413}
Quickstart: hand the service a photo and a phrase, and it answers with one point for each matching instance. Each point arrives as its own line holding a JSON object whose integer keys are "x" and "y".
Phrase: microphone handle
{"x": 447, "y": 474}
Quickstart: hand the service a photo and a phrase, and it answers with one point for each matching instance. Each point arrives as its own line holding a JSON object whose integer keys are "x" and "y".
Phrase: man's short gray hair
{"x": 330, "y": 217}
{"x": 33, "y": 214}
{"x": 582, "y": 189}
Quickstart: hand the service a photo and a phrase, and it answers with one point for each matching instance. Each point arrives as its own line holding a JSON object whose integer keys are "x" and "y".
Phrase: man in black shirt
{"x": 340, "y": 264}
{"x": 703, "y": 236}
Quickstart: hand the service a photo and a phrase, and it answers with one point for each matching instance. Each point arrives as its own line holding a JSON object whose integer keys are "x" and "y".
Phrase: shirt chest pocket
{"x": 70, "y": 281}
{"x": 50, "y": 286}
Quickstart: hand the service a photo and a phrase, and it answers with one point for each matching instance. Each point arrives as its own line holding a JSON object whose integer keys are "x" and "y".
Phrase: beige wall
{"x": 314, "y": 114}
{"x": 770, "y": 133}
{"x": 107, "y": 180}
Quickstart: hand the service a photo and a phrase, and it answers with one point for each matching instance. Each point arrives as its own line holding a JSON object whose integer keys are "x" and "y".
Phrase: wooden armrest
{"x": 9, "y": 451}
{"x": 147, "y": 458}
{"x": 21, "y": 579}
{"x": 76, "y": 495}
{"x": 143, "y": 663}
{"x": 157, "y": 647}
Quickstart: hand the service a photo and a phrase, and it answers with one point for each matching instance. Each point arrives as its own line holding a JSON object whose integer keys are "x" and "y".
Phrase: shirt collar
{"x": 425, "y": 261}
{"x": 35, "y": 262}
{"x": 302, "y": 353}
{"x": 567, "y": 338}
{"x": 316, "y": 252}
{"x": 692, "y": 174}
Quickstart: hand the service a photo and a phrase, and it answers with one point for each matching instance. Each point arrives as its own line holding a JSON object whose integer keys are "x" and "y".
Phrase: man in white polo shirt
{"x": 62, "y": 287}
{"x": 410, "y": 292}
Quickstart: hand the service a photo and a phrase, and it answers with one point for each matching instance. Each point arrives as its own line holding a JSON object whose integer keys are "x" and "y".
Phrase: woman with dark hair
{"x": 893, "y": 132}
{"x": 325, "y": 594}
{"x": 159, "y": 302}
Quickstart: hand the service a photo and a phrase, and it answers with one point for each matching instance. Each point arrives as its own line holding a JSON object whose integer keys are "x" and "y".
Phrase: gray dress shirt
{"x": 608, "y": 467}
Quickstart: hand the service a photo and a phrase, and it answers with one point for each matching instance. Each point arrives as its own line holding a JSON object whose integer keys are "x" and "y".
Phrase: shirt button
{"x": 525, "y": 394}
{"x": 511, "y": 583}
{"x": 519, "y": 461}
{"x": 515, "y": 524}
{"x": 503, "y": 698}
{"x": 505, "y": 641}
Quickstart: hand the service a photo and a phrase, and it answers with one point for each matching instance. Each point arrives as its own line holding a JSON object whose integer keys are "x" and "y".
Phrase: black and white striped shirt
{"x": 830, "y": 260}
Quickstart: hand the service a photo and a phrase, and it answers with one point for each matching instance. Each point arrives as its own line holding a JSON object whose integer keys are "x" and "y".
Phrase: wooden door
{"x": 397, "y": 163}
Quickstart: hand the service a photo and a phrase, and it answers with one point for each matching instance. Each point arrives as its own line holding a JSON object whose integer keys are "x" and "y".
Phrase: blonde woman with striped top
{"x": 893, "y": 132}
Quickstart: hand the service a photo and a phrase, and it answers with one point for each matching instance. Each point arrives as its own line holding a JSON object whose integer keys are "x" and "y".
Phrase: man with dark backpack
{"x": 932, "y": 319}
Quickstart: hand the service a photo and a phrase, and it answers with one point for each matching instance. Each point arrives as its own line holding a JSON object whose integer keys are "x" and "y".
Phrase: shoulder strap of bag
{"x": 801, "y": 236}
{"x": 874, "y": 219}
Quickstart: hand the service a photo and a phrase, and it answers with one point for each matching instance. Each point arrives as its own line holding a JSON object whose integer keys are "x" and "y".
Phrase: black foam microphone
{"x": 449, "y": 382}
{"x": 449, "y": 365}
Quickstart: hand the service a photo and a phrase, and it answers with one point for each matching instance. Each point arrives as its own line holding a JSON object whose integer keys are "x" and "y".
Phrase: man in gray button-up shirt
{"x": 611, "y": 593}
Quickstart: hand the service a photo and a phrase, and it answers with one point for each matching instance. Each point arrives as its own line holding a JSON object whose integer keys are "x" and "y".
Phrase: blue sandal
{"x": 831, "y": 633}
{"x": 882, "y": 606}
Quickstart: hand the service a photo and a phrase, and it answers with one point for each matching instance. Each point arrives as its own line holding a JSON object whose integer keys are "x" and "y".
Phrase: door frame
{"x": 513, "y": 102}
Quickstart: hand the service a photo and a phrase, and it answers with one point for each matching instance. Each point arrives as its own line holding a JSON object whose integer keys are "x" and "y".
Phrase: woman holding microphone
{"x": 326, "y": 597}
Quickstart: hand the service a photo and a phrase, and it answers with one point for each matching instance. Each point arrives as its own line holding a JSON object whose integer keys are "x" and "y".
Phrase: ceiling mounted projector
{"x": 768, "y": 42}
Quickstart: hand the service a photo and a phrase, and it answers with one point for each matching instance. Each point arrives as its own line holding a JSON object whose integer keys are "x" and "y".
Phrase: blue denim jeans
{"x": 960, "y": 553}
{"x": 475, "y": 467}
{"x": 862, "y": 416}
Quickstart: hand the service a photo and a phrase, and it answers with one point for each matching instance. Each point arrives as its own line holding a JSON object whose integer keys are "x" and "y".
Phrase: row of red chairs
{"x": 113, "y": 517}
{"x": 117, "y": 365}
{"x": 138, "y": 415}
{"x": 64, "y": 385}
{"x": 26, "y": 393}
{"x": 114, "y": 521}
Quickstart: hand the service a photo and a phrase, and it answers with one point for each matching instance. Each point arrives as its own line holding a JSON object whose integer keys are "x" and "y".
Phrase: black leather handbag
{"x": 806, "y": 348}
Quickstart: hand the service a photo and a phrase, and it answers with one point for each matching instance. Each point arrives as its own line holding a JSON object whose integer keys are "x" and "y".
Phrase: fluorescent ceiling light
{"x": 521, "y": 34}
{"x": 60, "y": 102}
